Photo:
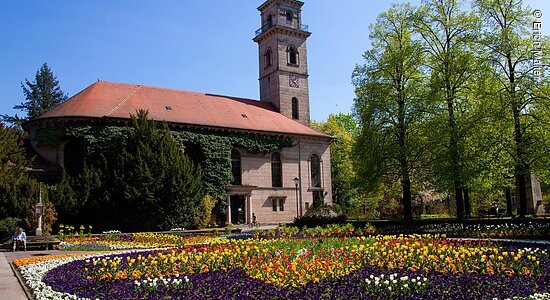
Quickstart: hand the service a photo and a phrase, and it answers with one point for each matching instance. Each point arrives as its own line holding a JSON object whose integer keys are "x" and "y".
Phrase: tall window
{"x": 236, "y": 167}
{"x": 278, "y": 204}
{"x": 292, "y": 55}
{"x": 315, "y": 171}
{"x": 267, "y": 57}
{"x": 276, "y": 178}
{"x": 289, "y": 16}
{"x": 295, "y": 113}
{"x": 269, "y": 20}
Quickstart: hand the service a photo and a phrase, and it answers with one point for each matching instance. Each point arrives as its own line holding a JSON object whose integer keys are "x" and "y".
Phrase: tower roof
{"x": 117, "y": 100}
{"x": 291, "y": 2}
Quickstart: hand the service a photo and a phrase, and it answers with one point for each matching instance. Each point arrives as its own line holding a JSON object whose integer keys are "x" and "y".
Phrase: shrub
{"x": 321, "y": 210}
{"x": 48, "y": 219}
{"x": 204, "y": 213}
{"x": 8, "y": 226}
{"x": 287, "y": 231}
{"x": 314, "y": 221}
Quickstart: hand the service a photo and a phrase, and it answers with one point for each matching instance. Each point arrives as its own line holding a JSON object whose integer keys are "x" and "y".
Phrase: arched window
{"x": 289, "y": 16}
{"x": 267, "y": 58}
{"x": 295, "y": 112}
{"x": 236, "y": 167}
{"x": 276, "y": 178}
{"x": 292, "y": 55}
{"x": 269, "y": 20}
{"x": 315, "y": 170}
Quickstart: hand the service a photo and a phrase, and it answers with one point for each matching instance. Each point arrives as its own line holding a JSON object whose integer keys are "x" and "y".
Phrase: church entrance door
{"x": 237, "y": 209}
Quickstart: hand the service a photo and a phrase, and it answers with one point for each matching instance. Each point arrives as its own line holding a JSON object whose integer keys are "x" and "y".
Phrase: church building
{"x": 276, "y": 186}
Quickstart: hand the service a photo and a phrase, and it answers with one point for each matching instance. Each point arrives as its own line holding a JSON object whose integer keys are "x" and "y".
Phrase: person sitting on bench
{"x": 19, "y": 238}
{"x": 494, "y": 209}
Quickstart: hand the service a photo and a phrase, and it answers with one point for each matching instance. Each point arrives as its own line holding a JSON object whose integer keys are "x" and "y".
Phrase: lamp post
{"x": 39, "y": 210}
{"x": 296, "y": 182}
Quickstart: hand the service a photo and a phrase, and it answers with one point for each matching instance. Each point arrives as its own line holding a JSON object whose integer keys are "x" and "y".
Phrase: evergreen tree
{"x": 159, "y": 187}
{"x": 150, "y": 185}
{"x": 41, "y": 95}
{"x": 17, "y": 191}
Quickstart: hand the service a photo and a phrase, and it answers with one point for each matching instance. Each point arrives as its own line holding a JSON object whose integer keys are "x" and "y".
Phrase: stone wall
{"x": 256, "y": 175}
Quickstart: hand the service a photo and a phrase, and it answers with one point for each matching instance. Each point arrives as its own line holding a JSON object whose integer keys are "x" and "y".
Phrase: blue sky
{"x": 203, "y": 46}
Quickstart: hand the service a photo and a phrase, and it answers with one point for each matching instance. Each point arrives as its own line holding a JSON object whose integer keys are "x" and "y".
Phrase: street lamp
{"x": 296, "y": 182}
{"x": 39, "y": 210}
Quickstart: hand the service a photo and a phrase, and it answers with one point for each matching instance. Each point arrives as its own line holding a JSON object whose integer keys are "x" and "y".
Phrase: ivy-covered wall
{"x": 215, "y": 148}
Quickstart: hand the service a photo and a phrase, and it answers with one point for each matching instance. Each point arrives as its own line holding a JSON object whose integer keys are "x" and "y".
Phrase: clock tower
{"x": 283, "y": 58}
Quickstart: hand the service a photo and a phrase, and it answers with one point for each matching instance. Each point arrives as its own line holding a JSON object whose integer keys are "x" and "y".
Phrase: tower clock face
{"x": 293, "y": 81}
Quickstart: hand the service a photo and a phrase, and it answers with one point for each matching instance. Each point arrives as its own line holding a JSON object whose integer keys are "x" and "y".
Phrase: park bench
{"x": 486, "y": 213}
{"x": 33, "y": 243}
{"x": 43, "y": 245}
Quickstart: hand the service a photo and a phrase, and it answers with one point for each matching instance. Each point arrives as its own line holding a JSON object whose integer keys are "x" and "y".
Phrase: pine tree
{"x": 41, "y": 95}
{"x": 158, "y": 184}
{"x": 17, "y": 191}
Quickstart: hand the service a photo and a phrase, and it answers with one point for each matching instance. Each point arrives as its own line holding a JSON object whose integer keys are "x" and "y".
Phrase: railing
{"x": 274, "y": 22}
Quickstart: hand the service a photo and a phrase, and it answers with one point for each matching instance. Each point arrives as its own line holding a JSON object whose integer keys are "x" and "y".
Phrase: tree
{"x": 390, "y": 104}
{"x": 17, "y": 191}
{"x": 486, "y": 166}
{"x": 159, "y": 185}
{"x": 48, "y": 218}
{"x": 41, "y": 95}
{"x": 446, "y": 32}
{"x": 343, "y": 128}
{"x": 203, "y": 215}
{"x": 150, "y": 185}
{"x": 507, "y": 45}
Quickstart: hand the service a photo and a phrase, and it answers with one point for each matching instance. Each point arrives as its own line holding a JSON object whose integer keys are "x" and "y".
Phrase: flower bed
{"x": 502, "y": 229}
{"x": 390, "y": 267}
{"x": 131, "y": 241}
{"x": 37, "y": 259}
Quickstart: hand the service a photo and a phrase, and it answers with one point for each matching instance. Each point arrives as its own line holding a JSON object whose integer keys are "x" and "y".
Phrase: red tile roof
{"x": 116, "y": 100}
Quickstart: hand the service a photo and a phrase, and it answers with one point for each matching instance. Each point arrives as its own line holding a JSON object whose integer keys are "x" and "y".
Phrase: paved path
{"x": 10, "y": 289}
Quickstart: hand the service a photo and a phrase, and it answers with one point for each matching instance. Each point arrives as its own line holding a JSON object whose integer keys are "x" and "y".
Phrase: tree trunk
{"x": 467, "y": 207}
{"x": 522, "y": 193}
{"x": 508, "y": 195}
{"x": 459, "y": 202}
{"x": 521, "y": 169}
{"x": 403, "y": 156}
{"x": 455, "y": 159}
{"x": 407, "y": 201}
